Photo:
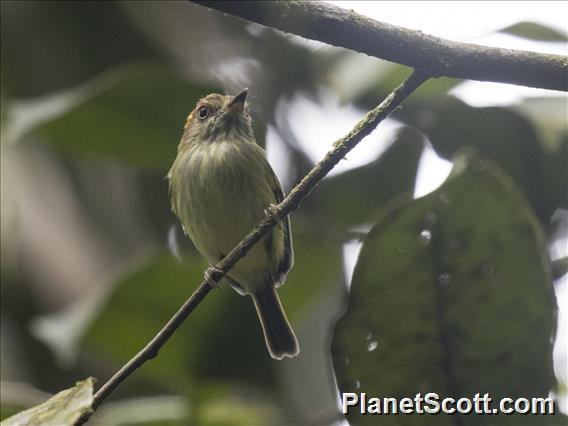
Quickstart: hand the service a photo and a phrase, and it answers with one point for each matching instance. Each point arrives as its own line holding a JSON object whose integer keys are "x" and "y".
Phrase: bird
{"x": 221, "y": 186}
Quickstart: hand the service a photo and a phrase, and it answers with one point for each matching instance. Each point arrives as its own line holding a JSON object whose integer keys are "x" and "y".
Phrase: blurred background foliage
{"x": 452, "y": 291}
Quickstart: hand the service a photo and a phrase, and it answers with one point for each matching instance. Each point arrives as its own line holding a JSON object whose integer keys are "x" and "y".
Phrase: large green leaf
{"x": 451, "y": 294}
{"x": 137, "y": 118}
{"x": 63, "y": 409}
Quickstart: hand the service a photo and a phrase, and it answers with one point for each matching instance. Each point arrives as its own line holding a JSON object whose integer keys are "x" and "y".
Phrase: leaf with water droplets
{"x": 451, "y": 294}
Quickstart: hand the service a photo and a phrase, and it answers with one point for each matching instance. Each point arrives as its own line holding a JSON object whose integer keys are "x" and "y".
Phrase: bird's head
{"x": 218, "y": 118}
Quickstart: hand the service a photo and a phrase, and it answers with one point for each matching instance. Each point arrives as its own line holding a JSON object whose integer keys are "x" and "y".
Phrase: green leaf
{"x": 451, "y": 294}
{"x": 137, "y": 118}
{"x": 535, "y": 31}
{"x": 63, "y": 409}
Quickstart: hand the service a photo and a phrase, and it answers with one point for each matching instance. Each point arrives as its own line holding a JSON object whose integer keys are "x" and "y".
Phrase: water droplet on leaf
{"x": 444, "y": 279}
{"x": 424, "y": 237}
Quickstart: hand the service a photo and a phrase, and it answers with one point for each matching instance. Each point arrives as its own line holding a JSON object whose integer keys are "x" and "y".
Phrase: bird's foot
{"x": 272, "y": 212}
{"x": 212, "y": 276}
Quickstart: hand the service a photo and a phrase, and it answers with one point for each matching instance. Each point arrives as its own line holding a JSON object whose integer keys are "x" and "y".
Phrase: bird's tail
{"x": 278, "y": 334}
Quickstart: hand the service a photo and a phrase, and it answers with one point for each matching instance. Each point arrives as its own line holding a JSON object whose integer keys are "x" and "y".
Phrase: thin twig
{"x": 340, "y": 148}
{"x": 339, "y": 27}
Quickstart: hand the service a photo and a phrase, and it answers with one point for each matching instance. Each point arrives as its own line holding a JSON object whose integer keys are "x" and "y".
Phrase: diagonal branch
{"x": 340, "y": 148}
{"x": 442, "y": 58}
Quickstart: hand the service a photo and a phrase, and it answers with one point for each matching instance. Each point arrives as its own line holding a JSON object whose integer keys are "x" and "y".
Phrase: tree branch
{"x": 339, "y": 27}
{"x": 340, "y": 148}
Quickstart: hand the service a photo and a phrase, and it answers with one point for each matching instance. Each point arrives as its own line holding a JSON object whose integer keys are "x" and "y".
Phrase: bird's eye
{"x": 202, "y": 113}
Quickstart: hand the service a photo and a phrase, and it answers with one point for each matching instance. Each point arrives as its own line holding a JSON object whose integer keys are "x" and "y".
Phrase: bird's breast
{"x": 221, "y": 192}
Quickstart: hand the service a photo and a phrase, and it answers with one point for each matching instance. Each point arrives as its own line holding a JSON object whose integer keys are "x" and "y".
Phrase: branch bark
{"x": 340, "y": 148}
{"x": 339, "y": 27}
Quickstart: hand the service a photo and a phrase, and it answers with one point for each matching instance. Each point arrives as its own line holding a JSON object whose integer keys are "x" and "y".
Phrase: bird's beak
{"x": 238, "y": 102}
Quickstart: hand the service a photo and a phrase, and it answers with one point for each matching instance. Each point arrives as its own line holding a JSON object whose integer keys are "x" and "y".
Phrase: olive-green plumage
{"x": 221, "y": 185}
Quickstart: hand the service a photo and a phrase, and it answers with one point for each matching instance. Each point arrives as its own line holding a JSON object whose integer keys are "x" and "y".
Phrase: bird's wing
{"x": 287, "y": 260}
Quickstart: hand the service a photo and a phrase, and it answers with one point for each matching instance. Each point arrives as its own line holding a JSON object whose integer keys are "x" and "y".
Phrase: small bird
{"x": 221, "y": 186}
